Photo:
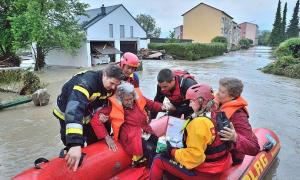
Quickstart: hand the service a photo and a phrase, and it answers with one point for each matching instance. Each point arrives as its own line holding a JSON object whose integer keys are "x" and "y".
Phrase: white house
{"x": 110, "y": 28}
{"x": 178, "y": 32}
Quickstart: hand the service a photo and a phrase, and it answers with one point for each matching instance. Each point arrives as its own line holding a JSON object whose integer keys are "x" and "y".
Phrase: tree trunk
{"x": 2, "y": 50}
{"x": 40, "y": 58}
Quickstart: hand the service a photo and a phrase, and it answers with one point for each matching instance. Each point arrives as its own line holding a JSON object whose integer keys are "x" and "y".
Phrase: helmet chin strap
{"x": 200, "y": 112}
{"x": 206, "y": 108}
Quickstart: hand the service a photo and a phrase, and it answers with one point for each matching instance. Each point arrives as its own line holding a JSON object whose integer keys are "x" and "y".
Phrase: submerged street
{"x": 28, "y": 132}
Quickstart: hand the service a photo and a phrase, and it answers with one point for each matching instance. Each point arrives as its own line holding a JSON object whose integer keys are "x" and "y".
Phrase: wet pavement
{"x": 28, "y": 132}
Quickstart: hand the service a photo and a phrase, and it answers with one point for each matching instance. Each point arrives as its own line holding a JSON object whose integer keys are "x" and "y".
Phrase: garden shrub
{"x": 190, "y": 51}
{"x": 220, "y": 39}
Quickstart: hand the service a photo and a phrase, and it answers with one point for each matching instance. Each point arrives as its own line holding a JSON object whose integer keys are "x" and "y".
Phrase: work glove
{"x": 167, "y": 152}
{"x": 167, "y": 106}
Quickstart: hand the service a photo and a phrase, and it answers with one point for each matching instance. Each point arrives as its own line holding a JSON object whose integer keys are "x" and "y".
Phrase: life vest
{"x": 232, "y": 106}
{"x": 217, "y": 150}
{"x": 117, "y": 112}
{"x": 176, "y": 95}
{"x": 183, "y": 73}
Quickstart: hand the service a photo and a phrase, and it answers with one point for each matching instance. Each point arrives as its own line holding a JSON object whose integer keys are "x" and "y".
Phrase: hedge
{"x": 190, "y": 51}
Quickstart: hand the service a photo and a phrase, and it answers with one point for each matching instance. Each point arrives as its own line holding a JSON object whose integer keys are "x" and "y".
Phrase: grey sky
{"x": 167, "y": 13}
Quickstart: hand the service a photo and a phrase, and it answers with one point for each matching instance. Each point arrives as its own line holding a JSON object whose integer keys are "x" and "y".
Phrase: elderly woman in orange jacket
{"x": 128, "y": 118}
{"x": 234, "y": 105}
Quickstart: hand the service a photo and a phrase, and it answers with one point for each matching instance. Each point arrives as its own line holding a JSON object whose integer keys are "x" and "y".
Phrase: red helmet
{"x": 200, "y": 90}
{"x": 130, "y": 59}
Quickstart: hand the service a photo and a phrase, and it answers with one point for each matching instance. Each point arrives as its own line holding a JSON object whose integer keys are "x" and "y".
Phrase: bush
{"x": 190, "y": 51}
{"x": 9, "y": 76}
{"x": 294, "y": 71}
{"x": 219, "y": 39}
{"x": 31, "y": 83}
{"x": 286, "y": 65}
{"x": 234, "y": 47}
{"x": 244, "y": 43}
{"x": 19, "y": 81}
{"x": 250, "y": 41}
{"x": 290, "y": 47}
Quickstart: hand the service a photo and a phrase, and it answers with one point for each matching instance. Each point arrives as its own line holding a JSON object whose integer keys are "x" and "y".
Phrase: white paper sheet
{"x": 174, "y": 131}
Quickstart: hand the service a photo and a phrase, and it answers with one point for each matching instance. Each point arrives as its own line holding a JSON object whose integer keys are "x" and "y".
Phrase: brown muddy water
{"x": 28, "y": 132}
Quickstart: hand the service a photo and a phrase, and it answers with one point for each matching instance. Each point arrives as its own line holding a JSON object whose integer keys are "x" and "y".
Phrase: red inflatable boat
{"x": 101, "y": 163}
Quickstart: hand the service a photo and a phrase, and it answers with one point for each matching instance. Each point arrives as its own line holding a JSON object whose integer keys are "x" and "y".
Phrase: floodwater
{"x": 28, "y": 132}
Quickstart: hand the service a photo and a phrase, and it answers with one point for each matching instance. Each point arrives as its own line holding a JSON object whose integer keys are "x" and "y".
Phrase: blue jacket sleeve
{"x": 136, "y": 79}
{"x": 74, "y": 115}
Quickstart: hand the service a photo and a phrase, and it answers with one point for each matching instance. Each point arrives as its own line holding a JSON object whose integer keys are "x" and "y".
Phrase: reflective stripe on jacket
{"x": 79, "y": 98}
{"x": 61, "y": 116}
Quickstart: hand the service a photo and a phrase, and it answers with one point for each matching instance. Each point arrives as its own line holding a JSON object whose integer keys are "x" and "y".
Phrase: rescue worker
{"x": 173, "y": 85}
{"x": 203, "y": 154}
{"x": 244, "y": 141}
{"x": 129, "y": 62}
{"x": 128, "y": 116}
{"x": 79, "y": 98}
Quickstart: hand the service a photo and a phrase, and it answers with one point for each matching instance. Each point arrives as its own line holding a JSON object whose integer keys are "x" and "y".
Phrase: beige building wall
{"x": 202, "y": 24}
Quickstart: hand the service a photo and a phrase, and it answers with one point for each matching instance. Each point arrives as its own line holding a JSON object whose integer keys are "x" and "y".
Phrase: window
{"x": 223, "y": 19}
{"x": 111, "y": 31}
{"x": 131, "y": 31}
{"x": 122, "y": 31}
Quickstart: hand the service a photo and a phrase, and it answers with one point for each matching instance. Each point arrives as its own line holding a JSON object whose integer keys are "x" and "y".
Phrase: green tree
{"x": 172, "y": 38}
{"x": 149, "y": 25}
{"x": 264, "y": 37}
{"x": 7, "y": 9}
{"x": 6, "y": 36}
{"x": 293, "y": 28}
{"x": 283, "y": 24}
{"x": 276, "y": 35}
{"x": 172, "y": 34}
{"x": 48, "y": 24}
